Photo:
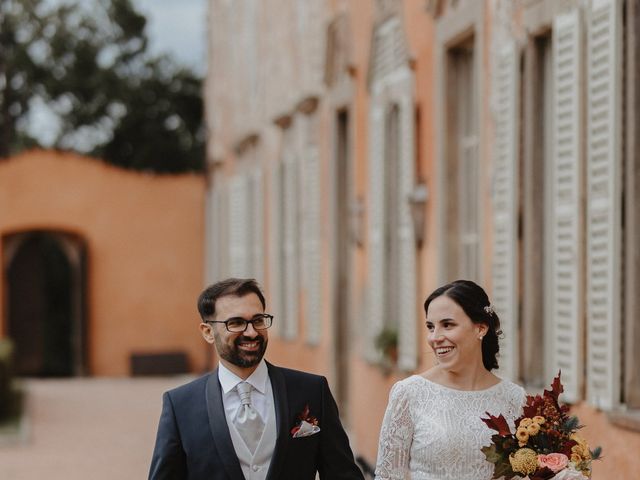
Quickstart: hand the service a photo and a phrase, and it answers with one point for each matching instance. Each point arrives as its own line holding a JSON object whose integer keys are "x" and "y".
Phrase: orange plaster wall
{"x": 145, "y": 243}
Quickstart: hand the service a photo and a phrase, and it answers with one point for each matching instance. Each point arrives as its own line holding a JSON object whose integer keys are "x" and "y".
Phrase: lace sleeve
{"x": 396, "y": 436}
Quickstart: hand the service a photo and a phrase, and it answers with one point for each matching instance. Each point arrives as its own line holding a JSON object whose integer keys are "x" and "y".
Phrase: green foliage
{"x": 498, "y": 454}
{"x": 571, "y": 424}
{"x": 87, "y": 61}
{"x": 386, "y": 340}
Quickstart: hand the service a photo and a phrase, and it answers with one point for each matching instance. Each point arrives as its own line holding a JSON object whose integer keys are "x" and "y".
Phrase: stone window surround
{"x": 453, "y": 27}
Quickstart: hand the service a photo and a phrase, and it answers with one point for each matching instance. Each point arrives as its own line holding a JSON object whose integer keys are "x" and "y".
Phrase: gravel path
{"x": 97, "y": 428}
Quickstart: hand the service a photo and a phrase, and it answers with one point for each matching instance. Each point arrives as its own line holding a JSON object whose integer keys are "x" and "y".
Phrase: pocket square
{"x": 305, "y": 429}
{"x": 307, "y": 425}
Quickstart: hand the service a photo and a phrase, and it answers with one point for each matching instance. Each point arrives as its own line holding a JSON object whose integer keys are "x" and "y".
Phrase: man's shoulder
{"x": 297, "y": 375}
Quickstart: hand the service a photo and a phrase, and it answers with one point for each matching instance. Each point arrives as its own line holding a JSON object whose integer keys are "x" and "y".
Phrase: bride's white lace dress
{"x": 432, "y": 432}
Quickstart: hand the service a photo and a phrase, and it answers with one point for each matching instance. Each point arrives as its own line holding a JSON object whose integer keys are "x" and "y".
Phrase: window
{"x": 575, "y": 242}
{"x": 535, "y": 258}
{"x": 391, "y": 249}
{"x": 462, "y": 168}
{"x": 283, "y": 237}
{"x": 391, "y": 207}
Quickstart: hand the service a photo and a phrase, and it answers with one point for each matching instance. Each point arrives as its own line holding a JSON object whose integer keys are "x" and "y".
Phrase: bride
{"x": 432, "y": 428}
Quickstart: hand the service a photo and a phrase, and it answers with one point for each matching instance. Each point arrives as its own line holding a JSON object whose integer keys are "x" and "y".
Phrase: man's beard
{"x": 237, "y": 357}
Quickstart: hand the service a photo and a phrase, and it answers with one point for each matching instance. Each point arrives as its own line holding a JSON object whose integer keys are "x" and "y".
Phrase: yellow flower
{"x": 580, "y": 451}
{"x": 524, "y": 461}
{"x": 578, "y": 439}
{"x": 525, "y": 422}
{"x": 533, "y": 429}
{"x": 539, "y": 420}
{"x": 522, "y": 435}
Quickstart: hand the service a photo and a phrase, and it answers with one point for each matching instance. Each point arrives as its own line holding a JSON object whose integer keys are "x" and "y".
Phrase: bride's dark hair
{"x": 474, "y": 301}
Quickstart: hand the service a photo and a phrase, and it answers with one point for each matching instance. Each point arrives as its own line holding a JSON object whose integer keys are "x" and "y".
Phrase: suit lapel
{"x": 282, "y": 414}
{"x": 220, "y": 429}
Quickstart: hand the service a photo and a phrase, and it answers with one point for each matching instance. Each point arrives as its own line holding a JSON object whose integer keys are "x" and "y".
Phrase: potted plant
{"x": 386, "y": 342}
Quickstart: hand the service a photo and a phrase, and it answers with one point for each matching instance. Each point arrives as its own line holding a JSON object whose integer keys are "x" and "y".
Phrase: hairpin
{"x": 489, "y": 310}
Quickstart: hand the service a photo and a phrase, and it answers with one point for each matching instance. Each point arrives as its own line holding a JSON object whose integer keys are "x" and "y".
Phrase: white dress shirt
{"x": 261, "y": 396}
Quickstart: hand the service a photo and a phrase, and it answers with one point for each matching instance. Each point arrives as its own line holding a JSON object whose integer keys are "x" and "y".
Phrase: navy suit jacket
{"x": 193, "y": 440}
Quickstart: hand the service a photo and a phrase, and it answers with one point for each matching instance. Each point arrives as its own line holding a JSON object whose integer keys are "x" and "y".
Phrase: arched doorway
{"x": 44, "y": 274}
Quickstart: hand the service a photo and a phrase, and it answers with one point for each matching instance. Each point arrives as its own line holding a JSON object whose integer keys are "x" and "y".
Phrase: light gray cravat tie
{"x": 247, "y": 420}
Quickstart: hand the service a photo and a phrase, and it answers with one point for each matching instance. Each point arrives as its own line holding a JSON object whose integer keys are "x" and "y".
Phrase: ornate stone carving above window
{"x": 389, "y": 51}
{"x": 339, "y": 53}
{"x": 386, "y": 9}
{"x": 438, "y": 8}
{"x": 245, "y": 143}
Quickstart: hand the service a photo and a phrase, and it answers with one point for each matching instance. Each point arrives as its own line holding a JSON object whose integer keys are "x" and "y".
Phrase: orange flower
{"x": 539, "y": 420}
{"x": 533, "y": 429}
{"x": 522, "y": 435}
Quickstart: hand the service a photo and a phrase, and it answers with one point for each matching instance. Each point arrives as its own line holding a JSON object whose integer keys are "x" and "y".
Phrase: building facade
{"x": 362, "y": 153}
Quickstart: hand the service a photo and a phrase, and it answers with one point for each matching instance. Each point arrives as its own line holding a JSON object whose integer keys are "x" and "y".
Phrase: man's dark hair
{"x": 231, "y": 286}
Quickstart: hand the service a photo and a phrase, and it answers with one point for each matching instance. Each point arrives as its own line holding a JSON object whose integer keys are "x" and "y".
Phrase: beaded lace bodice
{"x": 432, "y": 432}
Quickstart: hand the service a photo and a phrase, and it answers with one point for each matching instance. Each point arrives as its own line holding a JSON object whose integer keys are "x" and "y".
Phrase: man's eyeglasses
{"x": 238, "y": 324}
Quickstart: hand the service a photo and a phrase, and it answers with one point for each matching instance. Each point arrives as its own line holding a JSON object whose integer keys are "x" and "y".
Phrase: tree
{"x": 87, "y": 64}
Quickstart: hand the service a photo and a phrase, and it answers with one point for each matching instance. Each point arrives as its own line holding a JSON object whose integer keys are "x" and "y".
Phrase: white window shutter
{"x": 216, "y": 231}
{"x": 407, "y": 331}
{"x": 382, "y": 54}
{"x": 312, "y": 244}
{"x": 567, "y": 239}
{"x": 222, "y": 232}
{"x": 211, "y": 215}
{"x": 505, "y": 207}
{"x": 276, "y": 279}
{"x": 376, "y": 228}
{"x": 239, "y": 246}
{"x": 256, "y": 196}
{"x": 604, "y": 210}
{"x": 290, "y": 245}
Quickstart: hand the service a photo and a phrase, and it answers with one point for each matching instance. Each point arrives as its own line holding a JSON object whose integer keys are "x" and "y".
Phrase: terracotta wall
{"x": 144, "y": 235}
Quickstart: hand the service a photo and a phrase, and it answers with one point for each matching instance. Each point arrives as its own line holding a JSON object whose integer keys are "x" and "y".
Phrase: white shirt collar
{"x": 258, "y": 379}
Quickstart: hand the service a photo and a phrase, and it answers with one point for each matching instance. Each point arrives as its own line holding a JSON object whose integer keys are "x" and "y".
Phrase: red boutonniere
{"x": 307, "y": 424}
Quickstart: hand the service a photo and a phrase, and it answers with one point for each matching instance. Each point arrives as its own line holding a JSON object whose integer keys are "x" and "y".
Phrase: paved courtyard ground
{"x": 79, "y": 429}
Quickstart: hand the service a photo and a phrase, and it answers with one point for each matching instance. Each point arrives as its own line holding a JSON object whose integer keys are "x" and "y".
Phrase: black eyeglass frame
{"x": 266, "y": 317}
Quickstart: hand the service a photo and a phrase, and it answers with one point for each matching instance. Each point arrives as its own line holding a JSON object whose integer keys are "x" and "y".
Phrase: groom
{"x": 248, "y": 419}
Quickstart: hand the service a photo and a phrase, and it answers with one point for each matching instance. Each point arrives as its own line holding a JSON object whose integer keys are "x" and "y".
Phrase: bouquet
{"x": 546, "y": 444}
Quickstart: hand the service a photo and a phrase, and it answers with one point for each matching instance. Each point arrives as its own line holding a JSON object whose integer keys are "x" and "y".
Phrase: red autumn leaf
{"x": 556, "y": 388}
{"x": 542, "y": 474}
{"x": 499, "y": 424}
{"x": 534, "y": 406}
{"x": 565, "y": 448}
{"x": 305, "y": 413}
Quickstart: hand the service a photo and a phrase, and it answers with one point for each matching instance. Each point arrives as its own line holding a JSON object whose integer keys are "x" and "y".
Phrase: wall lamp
{"x": 417, "y": 205}
{"x": 357, "y": 223}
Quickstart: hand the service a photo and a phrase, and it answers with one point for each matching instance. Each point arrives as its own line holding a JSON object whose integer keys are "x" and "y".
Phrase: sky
{"x": 177, "y": 27}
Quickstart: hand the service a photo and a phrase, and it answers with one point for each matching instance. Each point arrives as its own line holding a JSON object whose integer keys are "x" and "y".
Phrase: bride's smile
{"x": 453, "y": 337}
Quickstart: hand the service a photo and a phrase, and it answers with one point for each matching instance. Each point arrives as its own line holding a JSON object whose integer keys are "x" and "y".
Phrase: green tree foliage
{"x": 87, "y": 63}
